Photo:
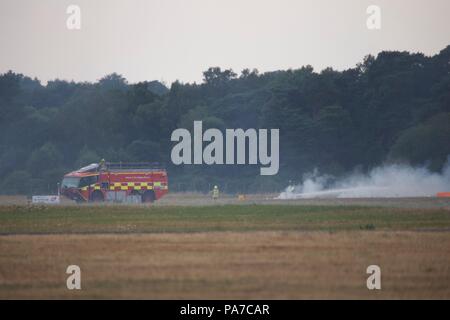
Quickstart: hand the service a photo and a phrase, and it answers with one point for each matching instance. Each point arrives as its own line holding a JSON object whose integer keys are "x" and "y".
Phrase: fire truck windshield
{"x": 70, "y": 182}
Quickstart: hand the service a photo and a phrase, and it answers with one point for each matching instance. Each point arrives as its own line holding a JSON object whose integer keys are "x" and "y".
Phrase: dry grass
{"x": 224, "y": 252}
{"x": 223, "y": 265}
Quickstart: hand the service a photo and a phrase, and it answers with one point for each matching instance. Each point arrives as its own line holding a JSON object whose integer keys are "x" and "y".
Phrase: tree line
{"x": 394, "y": 107}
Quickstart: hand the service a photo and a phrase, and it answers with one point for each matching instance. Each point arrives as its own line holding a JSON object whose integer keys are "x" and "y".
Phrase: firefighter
{"x": 215, "y": 193}
{"x": 102, "y": 164}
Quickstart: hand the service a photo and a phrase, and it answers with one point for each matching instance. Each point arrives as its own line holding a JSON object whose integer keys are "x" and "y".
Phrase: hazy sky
{"x": 179, "y": 39}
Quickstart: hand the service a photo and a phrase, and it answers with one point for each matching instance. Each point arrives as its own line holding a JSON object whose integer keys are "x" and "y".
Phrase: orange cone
{"x": 443, "y": 195}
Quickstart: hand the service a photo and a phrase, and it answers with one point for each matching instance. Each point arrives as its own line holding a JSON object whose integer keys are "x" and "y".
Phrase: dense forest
{"x": 391, "y": 108}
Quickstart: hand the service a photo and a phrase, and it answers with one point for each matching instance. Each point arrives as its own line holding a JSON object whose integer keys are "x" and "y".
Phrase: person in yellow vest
{"x": 215, "y": 193}
{"x": 102, "y": 164}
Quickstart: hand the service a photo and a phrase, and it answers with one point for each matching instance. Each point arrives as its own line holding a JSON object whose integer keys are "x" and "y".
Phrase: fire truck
{"x": 116, "y": 182}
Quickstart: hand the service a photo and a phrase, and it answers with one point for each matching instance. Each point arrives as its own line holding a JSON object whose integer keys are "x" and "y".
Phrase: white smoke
{"x": 388, "y": 181}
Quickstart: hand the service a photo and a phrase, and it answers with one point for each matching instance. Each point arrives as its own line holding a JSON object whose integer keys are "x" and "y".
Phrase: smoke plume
{"x": 388, "y": 181}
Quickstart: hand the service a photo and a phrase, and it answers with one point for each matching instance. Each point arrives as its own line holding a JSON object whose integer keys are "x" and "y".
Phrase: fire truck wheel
{"x": 97, "y": 196}
{"x": 148, "y": 196}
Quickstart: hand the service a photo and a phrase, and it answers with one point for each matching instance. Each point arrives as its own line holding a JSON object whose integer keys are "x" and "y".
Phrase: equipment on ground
{"x": 52, "y": 199}
{"x": 443, "y": 195}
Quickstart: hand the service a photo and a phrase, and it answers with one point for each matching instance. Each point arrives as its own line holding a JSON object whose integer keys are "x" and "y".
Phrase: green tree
{"x": 86, "y": 156}
{"x": 17, "y": 182}
{"x": 44, "y": 158}
{"x": 426, "y": 143}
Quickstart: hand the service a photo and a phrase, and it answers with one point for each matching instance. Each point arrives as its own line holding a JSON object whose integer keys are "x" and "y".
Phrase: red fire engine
{"x": 115, "y": 182}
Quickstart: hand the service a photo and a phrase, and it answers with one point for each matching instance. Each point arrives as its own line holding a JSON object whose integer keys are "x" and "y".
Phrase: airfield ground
{"x": 189, "y": 247}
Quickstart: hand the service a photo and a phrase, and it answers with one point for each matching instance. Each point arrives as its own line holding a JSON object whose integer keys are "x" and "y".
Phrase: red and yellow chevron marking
{"x": 92, "y": 186}
{"x": 119, "y": 186}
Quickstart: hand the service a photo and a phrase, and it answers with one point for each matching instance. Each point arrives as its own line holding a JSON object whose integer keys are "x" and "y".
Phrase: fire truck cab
{"x": 115, "y": 182}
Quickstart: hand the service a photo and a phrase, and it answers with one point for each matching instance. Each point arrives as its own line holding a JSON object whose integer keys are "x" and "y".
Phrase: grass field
{"x": 247, "y": 251}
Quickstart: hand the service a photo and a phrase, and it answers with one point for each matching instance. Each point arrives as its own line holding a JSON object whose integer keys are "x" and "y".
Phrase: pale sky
{"x": 179, "y": 39}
